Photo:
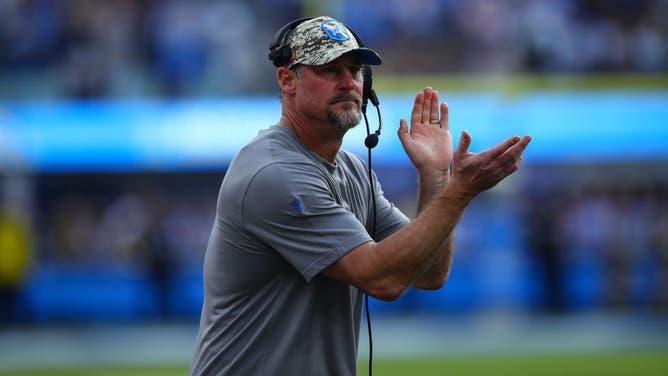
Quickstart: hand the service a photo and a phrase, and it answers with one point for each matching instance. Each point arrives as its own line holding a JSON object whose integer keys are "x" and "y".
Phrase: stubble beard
{"x": 346, "y": 120}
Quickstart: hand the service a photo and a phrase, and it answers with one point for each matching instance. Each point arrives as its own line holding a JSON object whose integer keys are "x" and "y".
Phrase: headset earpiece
{"x": 279, "y": 51}
{"x": 280, "y": 56}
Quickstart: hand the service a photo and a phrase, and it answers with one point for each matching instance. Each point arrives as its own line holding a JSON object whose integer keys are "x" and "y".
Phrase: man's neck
{"x": 320, "y": 137}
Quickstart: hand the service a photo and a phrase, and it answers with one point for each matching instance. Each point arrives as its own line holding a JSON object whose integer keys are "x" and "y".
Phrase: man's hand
{"x": 477, "y": 172}
{"x": 428, "y": 143}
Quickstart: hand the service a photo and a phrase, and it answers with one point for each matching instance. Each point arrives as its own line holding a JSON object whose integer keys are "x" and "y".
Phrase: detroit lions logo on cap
{"x": 335, "y": 30}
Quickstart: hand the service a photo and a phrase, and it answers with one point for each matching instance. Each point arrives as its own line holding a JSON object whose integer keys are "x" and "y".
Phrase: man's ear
{"x": 287, "y": 80}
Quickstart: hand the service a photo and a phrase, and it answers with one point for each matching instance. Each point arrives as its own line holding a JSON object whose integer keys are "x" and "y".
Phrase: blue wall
{"x": 164, "y": 135}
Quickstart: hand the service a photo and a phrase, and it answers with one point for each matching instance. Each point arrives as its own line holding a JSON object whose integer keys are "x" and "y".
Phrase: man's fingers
{"x": 517, "y": 149}
{"x": 514, "y": 153}
{"x": 416, "y": 115}
{"x": 426, "y": 107}
{"x": 433, "y": 109}
{"x": 403, "y": 128}
{"x": 445, "y": 116}
{"x": 499, "y": 149}
{"x": 464, "y": 143}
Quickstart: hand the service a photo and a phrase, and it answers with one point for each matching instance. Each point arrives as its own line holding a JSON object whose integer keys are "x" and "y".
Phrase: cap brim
{"x": 363, "y": 54}
{"x": 368, "y": 56}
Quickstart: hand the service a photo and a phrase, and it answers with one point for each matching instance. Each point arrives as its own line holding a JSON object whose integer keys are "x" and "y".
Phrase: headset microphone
{"x": 368, "y": 94}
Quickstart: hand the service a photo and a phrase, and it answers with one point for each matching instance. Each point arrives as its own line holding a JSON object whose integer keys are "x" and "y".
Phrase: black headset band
{"x": 281, "y": 35}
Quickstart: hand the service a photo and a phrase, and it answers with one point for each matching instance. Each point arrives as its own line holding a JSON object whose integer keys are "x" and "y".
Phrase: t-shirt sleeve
{"x": 291, "y": 209}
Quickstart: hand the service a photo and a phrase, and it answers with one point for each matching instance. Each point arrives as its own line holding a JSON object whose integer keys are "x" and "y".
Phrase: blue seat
{"x": 88, "y": 293}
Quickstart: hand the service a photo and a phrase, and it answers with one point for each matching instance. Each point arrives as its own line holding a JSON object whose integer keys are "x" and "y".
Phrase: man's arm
{"x": 433, "y": 165}
{"x": 387, "y": 268}
{"x": 420, "y": 253}
{"x": 437, "y": 269}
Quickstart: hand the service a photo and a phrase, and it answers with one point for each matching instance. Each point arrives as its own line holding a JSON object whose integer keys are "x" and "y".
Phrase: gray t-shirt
{"x": 284, "y": 214}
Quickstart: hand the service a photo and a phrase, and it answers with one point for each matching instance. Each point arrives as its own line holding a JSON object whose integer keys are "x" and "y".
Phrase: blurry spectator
{"x": 548, "y": 36}
{"x": 100, "y": 46}
{"x": 15, "y": 260}
{"x": 70, "y": 228}
{"x": 178, "y": 45}
{"x": 129, "y": 230}
{"x": 658, "y": 232}
{"x": 588, "y": 224}
{"x": 121, "y": 231}
{"x": 30, "y": 33}
{"x": 487, "y": 36}
{"x": 546, "y": 244}
{"x": 16, "y": 251}
{"x": 629, "y": 240}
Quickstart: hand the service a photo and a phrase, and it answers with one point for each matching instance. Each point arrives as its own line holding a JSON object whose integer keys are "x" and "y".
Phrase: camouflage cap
{"x": 321, "y": 40}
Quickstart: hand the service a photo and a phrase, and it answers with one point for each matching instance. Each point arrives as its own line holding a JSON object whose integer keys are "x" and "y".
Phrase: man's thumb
{"x": 464, "y": 143}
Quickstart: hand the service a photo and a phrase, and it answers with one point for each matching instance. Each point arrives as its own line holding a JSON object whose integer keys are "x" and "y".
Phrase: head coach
{"x": 303, "y": 230}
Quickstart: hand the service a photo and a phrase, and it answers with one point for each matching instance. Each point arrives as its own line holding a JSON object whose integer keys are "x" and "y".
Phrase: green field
{"x": 611, "y": 364}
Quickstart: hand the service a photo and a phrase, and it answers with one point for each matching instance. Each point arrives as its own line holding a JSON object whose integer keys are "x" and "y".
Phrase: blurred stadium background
{"x": 118, "y": 118}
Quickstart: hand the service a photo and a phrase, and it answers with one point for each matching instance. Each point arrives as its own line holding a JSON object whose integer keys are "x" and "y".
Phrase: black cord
{"x": 373, "y": 234}
{"x": 373, "y": 226}
{"x": 368, "y": 325}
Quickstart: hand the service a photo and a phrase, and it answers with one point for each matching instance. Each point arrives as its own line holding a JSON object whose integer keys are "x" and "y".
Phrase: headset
{"x": 280, "y": 55}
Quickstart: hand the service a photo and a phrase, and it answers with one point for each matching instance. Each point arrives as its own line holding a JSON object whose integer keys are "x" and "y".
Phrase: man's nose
{"x": 347, "y": 79}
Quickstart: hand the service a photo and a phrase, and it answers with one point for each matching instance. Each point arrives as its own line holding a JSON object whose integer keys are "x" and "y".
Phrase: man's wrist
{"x": 459, "y": 193}
{"x": 435, "y": 178}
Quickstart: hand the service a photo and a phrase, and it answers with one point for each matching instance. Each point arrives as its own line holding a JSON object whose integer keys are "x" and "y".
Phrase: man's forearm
{"x": 386, "y": 269}
{"x": 438, "y": 267}
{"x": 430, "y": 185}
{"x": 420, "y": 253}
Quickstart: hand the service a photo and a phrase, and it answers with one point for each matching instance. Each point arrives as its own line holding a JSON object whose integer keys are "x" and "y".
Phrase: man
{"x": 290, "y": 255}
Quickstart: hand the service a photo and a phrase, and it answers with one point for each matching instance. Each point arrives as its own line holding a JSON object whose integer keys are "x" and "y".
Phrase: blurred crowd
{"x": 87, "y": 48}
{"x": 602, "y": 244}
{"x": 592, "y": 247}
{"x": 153, "y": 226}
{"x": 152, "y": 222}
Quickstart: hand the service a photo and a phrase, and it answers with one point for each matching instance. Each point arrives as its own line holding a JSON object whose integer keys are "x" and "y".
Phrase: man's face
{"x": 333, "y": 91}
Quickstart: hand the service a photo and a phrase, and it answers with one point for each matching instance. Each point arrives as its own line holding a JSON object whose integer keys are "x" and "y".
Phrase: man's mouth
{"x": 346, "y": 98}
